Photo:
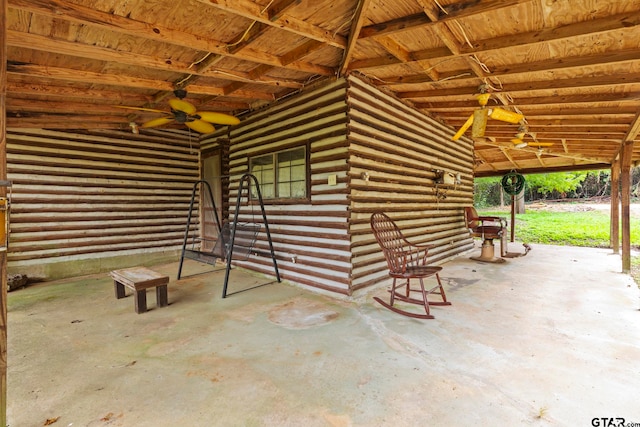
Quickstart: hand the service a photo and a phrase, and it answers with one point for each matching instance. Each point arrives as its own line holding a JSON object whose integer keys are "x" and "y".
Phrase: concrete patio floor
{"x": 549, "y": 339}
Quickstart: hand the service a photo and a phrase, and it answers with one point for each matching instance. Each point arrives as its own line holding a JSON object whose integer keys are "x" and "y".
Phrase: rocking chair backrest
{"x": 391, "y": 241}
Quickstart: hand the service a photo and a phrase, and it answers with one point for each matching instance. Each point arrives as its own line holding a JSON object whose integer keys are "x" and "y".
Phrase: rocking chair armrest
{"x": 416, "y": 254}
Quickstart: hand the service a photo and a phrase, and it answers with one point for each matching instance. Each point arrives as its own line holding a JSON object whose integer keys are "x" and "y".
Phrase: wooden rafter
{"x": 356, "y": 25}
{"x": 609, "y": 23}
{"x": 439, "y": 15}
{"x": 255, "y": 12}
{"x": 634, "y": 129}
{"x": 620, "y": 79}
{"x": 76, "y": 13}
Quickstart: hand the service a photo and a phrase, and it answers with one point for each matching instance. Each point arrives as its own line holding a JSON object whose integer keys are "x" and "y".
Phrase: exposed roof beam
{"x": 19, "y": 106}
{"x": 589, "y": 26}
{"x": 558, "y": 125}
{"x": 301, "y": 51}
{"x": 394, "y": 48}
{"x": 60, "y": 9}
{"x": 634, "y": 129}
{"x": 64, "y": 47}
{"x": 614, "y": 131}
{"x": 609, "y": 23}
{"x": 63, "y": 123}
{"x": 395, "y": 26}
{"x": 524, "y": 68}
{"x": 51, "y": 90}
{"x": 274, "y": 17}
{"x": 505, "y": 152}
{"x": 618, "y": 79}
{"x": 90, "y": 77}
{"x": 256, "y": 29}
{"x": 448, "y": 12}
{"x": 356, "y": 25}
{"x": 122, "y": 80}
{"x": 558, "y": 112}
{"x": 479, "y": 155}
{"x": 589, "y": 98}
{"x": 504, "y": 149}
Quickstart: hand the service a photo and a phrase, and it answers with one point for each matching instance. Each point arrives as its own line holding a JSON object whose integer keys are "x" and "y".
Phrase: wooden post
{"x": 3, "y": 192}
{"x": 615, "y": 206}
{"x": 625, "y": 177}
{"x": 513, "y": 218}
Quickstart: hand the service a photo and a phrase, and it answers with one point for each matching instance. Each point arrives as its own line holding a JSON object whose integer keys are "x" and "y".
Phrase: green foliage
{"x": 486, "y": 191}
{"x": 557, "y": 185}
{"x": 561, "y": 182}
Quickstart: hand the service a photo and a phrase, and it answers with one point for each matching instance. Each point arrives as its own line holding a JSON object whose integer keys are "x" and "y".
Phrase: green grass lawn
{"x": 590, "y": 228}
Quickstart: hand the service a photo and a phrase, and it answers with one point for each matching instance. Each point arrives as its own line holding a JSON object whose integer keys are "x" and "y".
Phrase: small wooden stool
{"x": 138, "y": 279}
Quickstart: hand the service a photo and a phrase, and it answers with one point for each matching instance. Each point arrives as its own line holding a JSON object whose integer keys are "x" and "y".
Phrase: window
{"x": 281, "y": 175}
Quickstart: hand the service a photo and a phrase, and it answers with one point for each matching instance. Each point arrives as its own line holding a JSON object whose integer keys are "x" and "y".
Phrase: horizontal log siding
{"x": 393, "y": 151}
{"x": 100, "y": 194}
{"x": 310, "y": 239}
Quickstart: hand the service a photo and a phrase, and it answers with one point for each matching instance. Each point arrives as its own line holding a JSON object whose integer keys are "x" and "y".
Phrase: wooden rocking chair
{"x": 406, "y": 261}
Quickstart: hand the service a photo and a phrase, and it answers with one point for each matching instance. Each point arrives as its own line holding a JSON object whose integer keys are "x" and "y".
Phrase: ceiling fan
{"x": 185, "y": 112}
{"x": 519, "y": 142}
{"x": 478, "y": 120}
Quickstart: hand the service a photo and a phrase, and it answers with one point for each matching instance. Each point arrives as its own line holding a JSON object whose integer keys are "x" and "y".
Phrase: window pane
{"x": 281, "y": 175}
{"x": 262, "y": 169}
{"x": 298, "y": 189}
{"x": 284, "y": 190}
{"x": 266, "y": 191}
{"x": 298, "y": 173}
{"x": 292, "y": 173}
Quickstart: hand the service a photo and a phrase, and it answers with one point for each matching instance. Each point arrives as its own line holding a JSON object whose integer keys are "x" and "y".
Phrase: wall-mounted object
{"x": 446, "y": 178}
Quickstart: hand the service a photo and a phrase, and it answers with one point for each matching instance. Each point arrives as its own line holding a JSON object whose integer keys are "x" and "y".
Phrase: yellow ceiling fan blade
{"x": 200, "y": 126}
{"x": 505, "y": 116}
{"x": 518, "y": 143}
{"x": 479, "y": 122}
{"x": 463, "y": 129}
{"x": 219, "y": 118}
{"x": 184, "y": 106}
{"x": 160, "y": 121}
{"x": 140, "y": 109}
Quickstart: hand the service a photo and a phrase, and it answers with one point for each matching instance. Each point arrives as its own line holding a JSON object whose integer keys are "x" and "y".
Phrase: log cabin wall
{"x": 383, "y": 155}
{"x": 86, "y": 202}
{"x": 310, "y": 237}
{"x": 394, "y": 152}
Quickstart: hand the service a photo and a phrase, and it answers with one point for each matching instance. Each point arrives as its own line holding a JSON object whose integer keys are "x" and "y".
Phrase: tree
{"x": 487, "y": 192}
{"x": 561, "y": 182}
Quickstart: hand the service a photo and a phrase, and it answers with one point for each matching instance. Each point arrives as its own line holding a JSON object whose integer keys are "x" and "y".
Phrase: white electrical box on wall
{"x": 449, "y": 178}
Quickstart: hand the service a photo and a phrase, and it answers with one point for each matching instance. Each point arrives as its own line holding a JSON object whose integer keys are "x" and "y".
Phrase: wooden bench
{"x": 139, "y": 279}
